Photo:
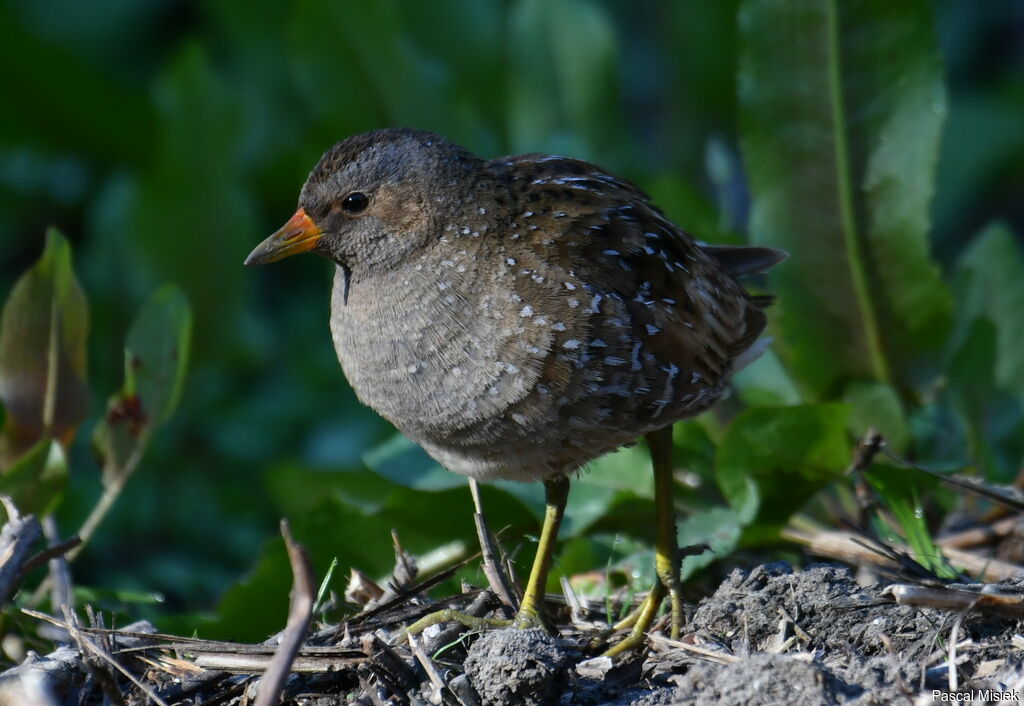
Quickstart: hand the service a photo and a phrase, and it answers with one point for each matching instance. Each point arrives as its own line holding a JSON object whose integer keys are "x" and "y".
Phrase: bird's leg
{"x": 666, "y": 546}
{"x": 531, "y": 609}
{"x": 666, "y": 551}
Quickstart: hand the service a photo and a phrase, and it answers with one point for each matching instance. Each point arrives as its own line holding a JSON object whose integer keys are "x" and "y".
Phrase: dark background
{"x": 165, "y": 139}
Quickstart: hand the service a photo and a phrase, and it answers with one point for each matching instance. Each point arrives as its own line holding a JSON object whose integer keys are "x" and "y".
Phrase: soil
{"x": 768, "y": 635}
{"x": 808, "y": 637}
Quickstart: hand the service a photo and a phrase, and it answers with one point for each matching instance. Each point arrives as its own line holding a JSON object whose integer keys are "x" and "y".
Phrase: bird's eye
{"x": 356, "y": 202}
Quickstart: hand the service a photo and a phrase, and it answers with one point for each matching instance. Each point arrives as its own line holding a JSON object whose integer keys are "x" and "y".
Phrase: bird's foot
{"x": 528, "y": 618}
{"x": 640, "y": 620}
{"x": 531, "y": 616}
{"x": 450, "y": 615}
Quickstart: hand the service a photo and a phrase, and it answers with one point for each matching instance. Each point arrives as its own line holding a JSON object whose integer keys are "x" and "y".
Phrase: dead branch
{"x": 299, "y": 615}
{"x": 17, "y": 538}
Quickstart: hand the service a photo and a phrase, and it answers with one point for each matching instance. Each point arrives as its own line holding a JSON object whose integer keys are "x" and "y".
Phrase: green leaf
{"x": 156, "y": 352}
{"x": 624, "y": 473}
{"x": 43, "y": 353}
{"x": 901, "y": 489}
{"x": 718, "y": 527}
{"x": 474, "y": 102}
{"x": 629, "y": 469}
{"x": 190, "y": 219}
{"x": 693, "y": 449}
{"x": 875, "y": 405}
{"x": 777, "y": 457}
{"x": 841, "y": 109}
{"x": 156, "y": 356}
{"x": 990, "y": 283}
{"x": 973, "y": 368}
{"x": 403, "y": 462}
{"x": 562, "y": 93}
{"x": 684, "y": 203}
{"x": 378, "y": 72}
{"x": 75, "y": 107}
{"x": 36, "y": 481}
{"x": 766, "y": 383}
{"x": 577, "y": 558}
{"x": 991, "y": 415}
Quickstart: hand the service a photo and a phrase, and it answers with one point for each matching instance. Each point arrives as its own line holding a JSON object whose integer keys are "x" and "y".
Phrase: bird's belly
{"x": 490, "y": 399}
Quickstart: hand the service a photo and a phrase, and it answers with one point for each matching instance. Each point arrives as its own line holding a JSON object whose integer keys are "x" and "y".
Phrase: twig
{"x": 659, "y": 642}
{"x": 843, "y": 546}
{"x": 867, "y": 448}
{"x": 425, "y": 585}
{"x": 975, "y": 536}
{"x": 48, "y": 554}
{"x": 430, "y": 669}
{"x": 85, "y": 644}
{"x": 114, "y": 480}
{"x": 954, "y": 635}
{"x": 299, "y": 615}
{"x": 1007, "y": 496}
{"x": 61, "y": 598}
{"x": 987, "y": 600}
{"x": 36, "y": 680}
{"x": 243, "y": 663}
{"x": 390, "y": 668}
{"x": 19, "y": 535}
{"x": 405, "y": 571}
{"x": 99, "y": 511}
{"x": 496, "y": 577}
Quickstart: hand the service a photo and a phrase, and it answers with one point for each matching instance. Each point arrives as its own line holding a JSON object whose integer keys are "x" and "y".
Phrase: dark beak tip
{"x": 260, "y": 255}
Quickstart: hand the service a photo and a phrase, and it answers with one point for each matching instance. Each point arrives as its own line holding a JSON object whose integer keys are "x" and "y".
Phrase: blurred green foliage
{"x": 878, "y": 142}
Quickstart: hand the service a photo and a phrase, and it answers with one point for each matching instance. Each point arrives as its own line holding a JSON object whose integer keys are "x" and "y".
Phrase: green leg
{"x": 666, "y": 551}
{"x": 666, "y": 545}
{"x": 531, "y": 609}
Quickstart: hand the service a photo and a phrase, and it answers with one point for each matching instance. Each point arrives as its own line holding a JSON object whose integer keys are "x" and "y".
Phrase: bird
{"x": 519, "y": 317}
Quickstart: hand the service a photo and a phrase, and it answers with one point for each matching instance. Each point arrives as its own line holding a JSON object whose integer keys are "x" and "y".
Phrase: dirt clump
{"x": 519, "y": 667}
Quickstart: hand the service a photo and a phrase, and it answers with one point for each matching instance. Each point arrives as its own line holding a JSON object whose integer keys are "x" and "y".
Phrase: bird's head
{"x": 373, "y": 199}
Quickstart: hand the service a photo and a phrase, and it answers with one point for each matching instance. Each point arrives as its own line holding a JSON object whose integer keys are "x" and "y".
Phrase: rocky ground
{"x": 767, "y": 635}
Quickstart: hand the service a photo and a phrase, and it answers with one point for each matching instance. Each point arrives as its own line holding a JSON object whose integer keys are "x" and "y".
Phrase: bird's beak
{"x": 299, "y": 234}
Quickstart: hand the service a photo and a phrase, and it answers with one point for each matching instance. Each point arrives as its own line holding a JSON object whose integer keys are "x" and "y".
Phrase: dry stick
{"x": 496, "y": 577}
{"x": 953, "y": 637}
{"x": 19, "y": 535}
{"x": 989, "y": 600}
{"x": 218, "y": 655}
{"x": 87, "y": 645}
{"x": 59, "y": 549}
{"x": 867, "y": 448}
{"x": 429, "y": 668}
{"x": 843, "y": 546}
{"x": 404, "y": 574}
{"x": 660, "y": 642}
{"x": 299, "y": 615}
{"x": 1009, "y": 498}
{"x": 976, "y": 536}
{"x": 61, "y": 598}
{"x": 111, "y": 492}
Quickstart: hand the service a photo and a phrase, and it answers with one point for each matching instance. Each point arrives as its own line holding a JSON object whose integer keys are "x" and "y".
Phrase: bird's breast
{"x": 433, "y": 355}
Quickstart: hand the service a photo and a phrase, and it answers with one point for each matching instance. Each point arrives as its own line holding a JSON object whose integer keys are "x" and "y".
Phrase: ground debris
{"x": 770, "y": 634}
